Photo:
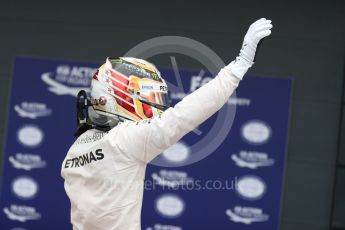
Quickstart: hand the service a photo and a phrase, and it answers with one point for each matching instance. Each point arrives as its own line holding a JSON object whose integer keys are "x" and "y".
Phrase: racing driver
{"x": 126, "y": 122}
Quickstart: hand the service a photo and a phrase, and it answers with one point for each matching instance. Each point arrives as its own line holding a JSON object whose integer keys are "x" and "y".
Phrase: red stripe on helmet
{"x": 95, "y": 76}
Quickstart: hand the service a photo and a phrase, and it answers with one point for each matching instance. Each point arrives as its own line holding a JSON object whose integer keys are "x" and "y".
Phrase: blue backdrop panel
{"x": 237, "y": 186}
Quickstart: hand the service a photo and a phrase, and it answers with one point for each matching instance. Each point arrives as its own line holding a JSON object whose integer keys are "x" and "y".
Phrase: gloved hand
{"x": 256, "y": 32}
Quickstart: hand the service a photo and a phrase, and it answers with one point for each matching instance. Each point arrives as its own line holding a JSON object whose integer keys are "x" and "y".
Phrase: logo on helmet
{"x": 163, "y": 88}
{"x": 102, "y": 100}
{"x": 148, "y": 87}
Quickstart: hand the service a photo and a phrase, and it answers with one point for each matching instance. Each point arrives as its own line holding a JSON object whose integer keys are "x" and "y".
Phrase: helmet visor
{"x": 159, "y": 100}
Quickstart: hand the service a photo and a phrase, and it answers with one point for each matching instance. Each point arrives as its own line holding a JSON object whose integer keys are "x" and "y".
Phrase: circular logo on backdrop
{"x": 251, "y": 187}
{"x": 256, "y": 132}
{"x": 30, "y": 135}
{"x": 170, "y": 206}
{"x": 24, "y": 187}
{"x": 177, "y": 153}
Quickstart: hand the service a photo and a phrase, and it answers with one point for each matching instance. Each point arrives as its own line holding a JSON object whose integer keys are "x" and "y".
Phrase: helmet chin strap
{"x": 83, "y": 121}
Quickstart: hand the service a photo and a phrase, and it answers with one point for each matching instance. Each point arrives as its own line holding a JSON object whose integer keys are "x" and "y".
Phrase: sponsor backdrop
{"x": 238, "y": 186}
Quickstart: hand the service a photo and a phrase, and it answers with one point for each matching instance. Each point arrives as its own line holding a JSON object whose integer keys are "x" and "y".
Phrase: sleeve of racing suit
{"x": 144, "y": 140}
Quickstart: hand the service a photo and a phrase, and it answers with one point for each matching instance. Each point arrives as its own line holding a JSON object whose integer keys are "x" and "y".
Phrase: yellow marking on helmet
{"x": 159, "y": 111}
{"x": 133, "y": 82}
{"x": 139, "y": 108}
{"x": 102, "y": 67}
{"x": 135, "y": 118}
{"x": 148, "y": 80}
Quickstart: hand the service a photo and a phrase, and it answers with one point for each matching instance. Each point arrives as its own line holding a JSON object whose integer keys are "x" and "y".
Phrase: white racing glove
{"x": 256, "y": 32}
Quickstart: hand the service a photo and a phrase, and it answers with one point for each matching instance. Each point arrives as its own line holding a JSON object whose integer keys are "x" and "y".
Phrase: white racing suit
{"x": 104, "y": 172}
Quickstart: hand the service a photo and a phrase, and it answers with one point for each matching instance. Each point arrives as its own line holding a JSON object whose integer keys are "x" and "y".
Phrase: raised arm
{"x": 146, "y": 139}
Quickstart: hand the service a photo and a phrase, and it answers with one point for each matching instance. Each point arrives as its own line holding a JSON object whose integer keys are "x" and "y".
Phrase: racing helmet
{"x": 126, "y": 88}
